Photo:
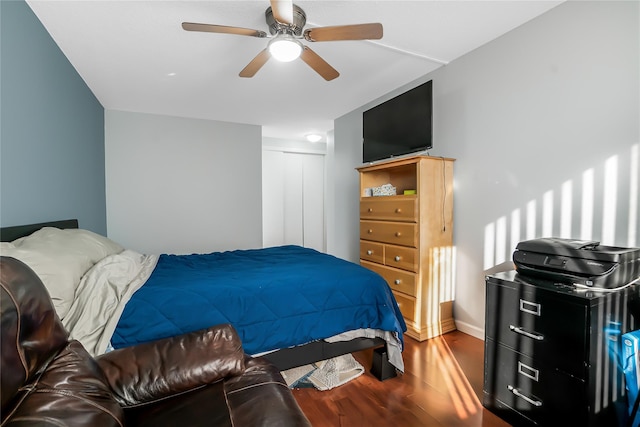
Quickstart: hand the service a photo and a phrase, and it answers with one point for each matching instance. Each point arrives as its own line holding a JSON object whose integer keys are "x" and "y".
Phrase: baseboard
{"x": 469, "y": 329}
{"x": 431, "y": 330}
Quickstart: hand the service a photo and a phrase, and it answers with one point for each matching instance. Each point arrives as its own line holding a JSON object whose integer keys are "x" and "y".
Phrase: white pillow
{"x": 60, "y": 258}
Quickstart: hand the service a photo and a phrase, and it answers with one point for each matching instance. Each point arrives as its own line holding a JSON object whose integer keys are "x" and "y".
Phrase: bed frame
{"x": 283, "y": 359}
{"x": 9, "y": 234}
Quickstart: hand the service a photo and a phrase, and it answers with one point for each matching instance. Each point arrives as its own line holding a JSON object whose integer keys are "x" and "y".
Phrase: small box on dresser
{"x": 551, "y": 351}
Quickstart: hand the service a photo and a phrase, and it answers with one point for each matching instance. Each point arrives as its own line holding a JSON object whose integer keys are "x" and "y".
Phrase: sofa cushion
{"x": 71, "y": 392}
{"x": 203, "y": 406}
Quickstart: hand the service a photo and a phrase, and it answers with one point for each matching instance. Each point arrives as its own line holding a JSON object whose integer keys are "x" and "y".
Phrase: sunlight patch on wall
{"x": 586, "y": 227}
{"x": 547, "y": 213}
{"x": 610, "y": 200}
{"x": 515, "y": 228}
{"x": 634, "y": 180}
{"x": 501, "y": 240}
{"x": 600, "y": 195}
{"x": 496, "y": 251}
{"x": 566, "y": 211}
{"x": 489, "y": 245}
{"x": 531, "y": 220}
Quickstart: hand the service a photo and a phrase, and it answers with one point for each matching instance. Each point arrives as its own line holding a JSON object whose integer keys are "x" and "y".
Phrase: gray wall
{"x": 51, "y": 130}
{"x": 179, "y": 185}
{"x": 544, "y": 124}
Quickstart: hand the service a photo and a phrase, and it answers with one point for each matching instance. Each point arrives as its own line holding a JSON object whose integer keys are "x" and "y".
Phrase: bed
{"x": 290, "y": 304}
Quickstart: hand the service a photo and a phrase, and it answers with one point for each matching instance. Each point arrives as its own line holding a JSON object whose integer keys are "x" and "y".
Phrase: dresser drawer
{"x": 397, "y": 233}
{"x": 534, "y": 389}
{"x": 404, "y": 292}
{"x": 398, "y": 280}
{"x": 407, "y": 306}
{"x": 401, "y": 208}
{"x": 401, "y": 257}
{"x": 372, "y": 251}
{"x": 535, "y": 323}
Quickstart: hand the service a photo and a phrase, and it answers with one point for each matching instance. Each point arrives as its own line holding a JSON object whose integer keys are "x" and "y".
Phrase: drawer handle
{"x": 398, "y": 210}
{"x": 398, "y": 234}
{"x": 516, "y": 392}
{"x": 369, "y": 252}
{"x": 397, "y": 258}
{"x": 397, "y": 281}
{"x": 370, "y": 210}
{"x": 530, "y": 307}
{"x": 528, "y": 371}
{"x": 519, "y": 330}
{"x": 370, "y": 231}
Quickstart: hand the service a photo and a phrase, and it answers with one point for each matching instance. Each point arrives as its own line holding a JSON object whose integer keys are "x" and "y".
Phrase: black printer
{"x": 578, "y": 262}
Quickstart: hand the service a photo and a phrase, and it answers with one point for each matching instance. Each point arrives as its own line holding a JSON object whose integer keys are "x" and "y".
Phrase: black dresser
{"x": 551, "y": 352}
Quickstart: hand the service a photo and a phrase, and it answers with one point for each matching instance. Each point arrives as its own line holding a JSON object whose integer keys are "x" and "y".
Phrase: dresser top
{"x": 401, "y": 161}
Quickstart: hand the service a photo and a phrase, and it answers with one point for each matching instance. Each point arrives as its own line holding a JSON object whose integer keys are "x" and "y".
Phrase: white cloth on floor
{"x": 293, "y": 375}
{"x": 335, "y": 372}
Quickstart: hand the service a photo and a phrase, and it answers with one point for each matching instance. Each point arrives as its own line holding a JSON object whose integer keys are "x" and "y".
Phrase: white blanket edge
{"x": 110, "y": 283}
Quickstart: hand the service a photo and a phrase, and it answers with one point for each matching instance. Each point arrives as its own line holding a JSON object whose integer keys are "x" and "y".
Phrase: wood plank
{"x": 441, "y": 386}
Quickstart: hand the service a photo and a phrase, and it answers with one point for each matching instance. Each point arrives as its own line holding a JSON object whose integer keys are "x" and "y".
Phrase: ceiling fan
{"x": 286, "y": 22}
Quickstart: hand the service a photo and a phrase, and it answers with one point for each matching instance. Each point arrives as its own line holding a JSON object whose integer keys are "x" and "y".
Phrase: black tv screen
{"x": 401, "y": 125}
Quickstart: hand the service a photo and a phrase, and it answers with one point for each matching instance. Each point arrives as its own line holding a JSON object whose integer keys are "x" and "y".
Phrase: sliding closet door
{"x": 293, "y": 199}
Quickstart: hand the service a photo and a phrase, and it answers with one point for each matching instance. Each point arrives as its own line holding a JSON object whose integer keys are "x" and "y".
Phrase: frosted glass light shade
{"x": 285, "y": 48}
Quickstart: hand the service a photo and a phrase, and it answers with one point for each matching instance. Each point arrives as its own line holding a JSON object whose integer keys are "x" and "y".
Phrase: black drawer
{"x": 536, "y": 391}
{"x": 536, "y": 323}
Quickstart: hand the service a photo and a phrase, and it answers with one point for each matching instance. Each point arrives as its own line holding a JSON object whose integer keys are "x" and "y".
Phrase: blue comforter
{"x": 275, "y": 298}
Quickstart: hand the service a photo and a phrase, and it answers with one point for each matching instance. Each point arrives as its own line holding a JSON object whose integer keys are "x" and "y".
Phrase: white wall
{"x": 177, "y": 185}
{"x": 343, "y": 230}
{"x": 544, "y": 124}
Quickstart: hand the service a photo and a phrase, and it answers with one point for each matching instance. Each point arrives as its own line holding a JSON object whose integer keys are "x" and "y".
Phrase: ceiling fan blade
{"x": 282, "y": 11}
{"x": 344, "y": 32}
{"x": 320, "y": 66}
{"x": 256, "y": 63}
{"x": 211, "y": 28}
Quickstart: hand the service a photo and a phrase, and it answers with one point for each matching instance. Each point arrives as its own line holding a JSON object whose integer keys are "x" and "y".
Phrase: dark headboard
{"x": 9, "y": 234}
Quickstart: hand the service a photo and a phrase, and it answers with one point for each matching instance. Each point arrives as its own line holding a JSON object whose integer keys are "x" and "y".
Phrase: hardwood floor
{"x": 441, "y": 386}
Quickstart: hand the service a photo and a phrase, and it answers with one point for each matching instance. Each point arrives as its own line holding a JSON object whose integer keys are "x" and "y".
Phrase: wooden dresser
{"x": 408, "y": 239}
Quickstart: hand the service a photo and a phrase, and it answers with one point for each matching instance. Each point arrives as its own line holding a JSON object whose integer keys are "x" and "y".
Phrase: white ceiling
{"x": 135, "y": 56}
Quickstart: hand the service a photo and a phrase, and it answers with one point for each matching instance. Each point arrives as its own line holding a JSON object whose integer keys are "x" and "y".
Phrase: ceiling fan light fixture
{"x": 286, "y": 23}
{"x": 285, "y": 48}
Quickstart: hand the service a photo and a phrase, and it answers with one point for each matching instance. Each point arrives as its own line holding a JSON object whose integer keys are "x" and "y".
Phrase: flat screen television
{"x": 401, "y": 125}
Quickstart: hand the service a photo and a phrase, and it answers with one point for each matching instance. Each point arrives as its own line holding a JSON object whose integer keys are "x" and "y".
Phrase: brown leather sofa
{"x": 197, "y": 379}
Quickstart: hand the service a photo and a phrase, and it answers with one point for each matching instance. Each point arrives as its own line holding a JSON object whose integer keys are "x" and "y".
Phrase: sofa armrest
{"x": 260, "y": 396}
{"x": 71, "y": 392}
{"x": 159, "y": 369}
